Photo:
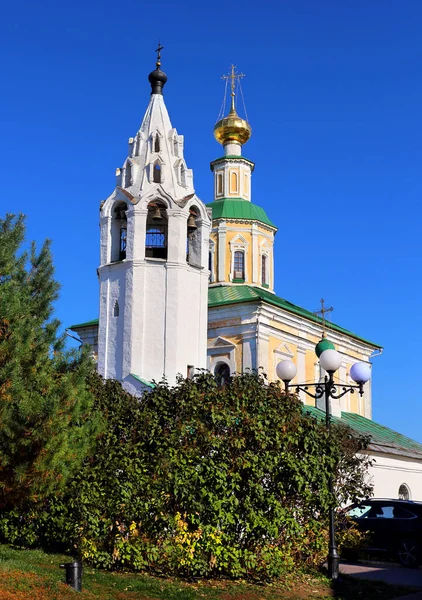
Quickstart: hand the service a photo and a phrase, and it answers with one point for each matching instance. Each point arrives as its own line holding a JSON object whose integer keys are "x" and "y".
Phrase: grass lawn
{"x": 34, "y": 575}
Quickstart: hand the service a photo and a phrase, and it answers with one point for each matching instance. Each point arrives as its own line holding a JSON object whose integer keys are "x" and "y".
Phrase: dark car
{"x": 394, "y": 527}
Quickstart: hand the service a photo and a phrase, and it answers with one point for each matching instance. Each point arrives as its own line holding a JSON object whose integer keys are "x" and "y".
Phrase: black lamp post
{"x": 330, "y": 360}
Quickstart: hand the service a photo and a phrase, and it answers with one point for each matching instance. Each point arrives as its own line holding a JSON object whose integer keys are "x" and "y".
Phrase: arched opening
{"x": 156, "y": 231}
{"x": 222, "y": 373}
{"x": 264, "y": 269}
{"x": 404, "y": 492}
{"x": 239, "y": 265}
{"x": 128, "y": 174}
{"x": 157, "y": 143}
{"x": 246, "y": 185}
{"x": 116, "y": 309}
{"x": 182, "y": 175}
{"x": 193, "y": 238}
{"x": 220, "y": 184}
{"x": 157, "y": 173}
{"x": 233, "y": 183}
{"x": 118, "y": 232}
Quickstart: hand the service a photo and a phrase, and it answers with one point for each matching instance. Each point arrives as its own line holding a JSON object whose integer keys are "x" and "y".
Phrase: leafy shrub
{"x": 199, "y": 480}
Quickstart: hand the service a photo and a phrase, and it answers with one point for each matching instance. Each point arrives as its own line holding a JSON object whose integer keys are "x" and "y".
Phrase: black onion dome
{"x": 157, "y": 80}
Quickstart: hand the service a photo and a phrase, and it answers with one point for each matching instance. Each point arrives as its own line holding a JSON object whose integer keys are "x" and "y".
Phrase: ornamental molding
{"x": 234, "y": 220}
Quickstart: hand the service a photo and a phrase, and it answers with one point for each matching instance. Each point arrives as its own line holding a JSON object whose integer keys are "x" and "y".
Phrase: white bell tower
{"x": 154, "y": 259}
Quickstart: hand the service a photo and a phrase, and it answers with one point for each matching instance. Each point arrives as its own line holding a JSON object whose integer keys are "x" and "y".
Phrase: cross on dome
{"x": 323, "y": 312}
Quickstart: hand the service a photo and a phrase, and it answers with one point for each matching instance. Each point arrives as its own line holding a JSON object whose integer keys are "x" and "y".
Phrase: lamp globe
{"x": 360, "y": 372}
{"x": 330, "y": 360}
{"x": 286, "y": 370}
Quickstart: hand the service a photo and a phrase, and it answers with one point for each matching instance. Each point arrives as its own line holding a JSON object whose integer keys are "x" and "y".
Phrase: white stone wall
{"x": 161, "y": 328}
{"x": 390, "y": 471}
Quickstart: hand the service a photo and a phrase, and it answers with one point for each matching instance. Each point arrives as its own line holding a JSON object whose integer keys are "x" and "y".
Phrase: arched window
{"x": 193, "y": 238}
{"x": 246, "y": 185}
{"x": 128, "y": 174}
{"x": 116, "y": 309}
{"x": 220, "y": 191}
{"x": 118, "y": 232}
{"x": 123, "y": 240}
{"x": 233, "y": 183}
{"x": 182, "y": 174}
{"x": 222, "y": 373}
{"x": 239, "y": 265}
{"x": 404, "y": 492}
{"x": 156, "y": 232}
{"x": 264, "y": 274}
{"x": 157, "y": 173}
{"x": 157, "y": 143}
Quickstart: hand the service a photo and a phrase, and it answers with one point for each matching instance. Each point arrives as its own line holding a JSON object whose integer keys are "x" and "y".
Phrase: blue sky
{"x": 333, "y": 91}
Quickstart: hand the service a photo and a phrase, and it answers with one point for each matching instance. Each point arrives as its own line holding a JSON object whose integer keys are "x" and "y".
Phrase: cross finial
{"x": 158, "y": 51}
{"x": 322, "y": 312}
{"x": 233, "y": 76}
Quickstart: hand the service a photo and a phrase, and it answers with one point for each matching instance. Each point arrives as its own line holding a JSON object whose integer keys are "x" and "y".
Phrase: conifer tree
{"x": 46, "y": 420}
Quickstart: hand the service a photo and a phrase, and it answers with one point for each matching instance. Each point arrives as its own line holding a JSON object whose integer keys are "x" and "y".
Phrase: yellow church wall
{"x": 273, "y": 344}
{"x": 354, "y": 403}
{"x": 310, "y": 365}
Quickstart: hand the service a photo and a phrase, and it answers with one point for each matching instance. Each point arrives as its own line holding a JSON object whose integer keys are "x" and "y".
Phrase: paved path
{"x": 390, "y": 573}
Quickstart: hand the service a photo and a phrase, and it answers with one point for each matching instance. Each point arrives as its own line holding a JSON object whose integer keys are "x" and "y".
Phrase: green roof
{"x": 234, "y": 294}
{"x": 86, "y": 324}
{"x": 379, "y": 434}
{"x": 144, "y": 381}
{"x": 239, "y": 209}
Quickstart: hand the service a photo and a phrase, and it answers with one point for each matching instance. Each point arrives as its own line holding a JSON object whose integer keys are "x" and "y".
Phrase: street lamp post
{"x": 330, "y": 361}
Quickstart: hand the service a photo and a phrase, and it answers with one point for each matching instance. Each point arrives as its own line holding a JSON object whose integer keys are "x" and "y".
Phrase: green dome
{"x": 238, "y": 209}
{"x": 322, "y": 345}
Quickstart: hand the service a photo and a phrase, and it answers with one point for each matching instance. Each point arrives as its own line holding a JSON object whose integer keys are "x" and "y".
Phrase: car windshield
{"x": 358, "y": 512}
{"x": 377, "y": 511}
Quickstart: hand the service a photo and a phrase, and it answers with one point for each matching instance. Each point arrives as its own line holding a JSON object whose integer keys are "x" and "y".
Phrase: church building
{"x": 187, "y": 286}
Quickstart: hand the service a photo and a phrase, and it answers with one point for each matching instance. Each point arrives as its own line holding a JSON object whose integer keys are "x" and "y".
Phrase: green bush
{"x": 199, "y": 480}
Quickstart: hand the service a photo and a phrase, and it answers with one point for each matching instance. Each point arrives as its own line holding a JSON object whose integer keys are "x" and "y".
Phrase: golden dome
{"x": 232, "y": 129}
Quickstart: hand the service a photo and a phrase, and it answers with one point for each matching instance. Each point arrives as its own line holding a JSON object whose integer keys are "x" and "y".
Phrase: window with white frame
{"x": 239, "y": 265}
{"x": 264, "y": 269}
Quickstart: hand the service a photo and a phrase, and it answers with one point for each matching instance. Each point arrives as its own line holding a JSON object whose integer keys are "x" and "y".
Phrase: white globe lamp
{"x": 286, "y": 370}
{"x": 330, "y": 360}
{"x": 360, "y": 372}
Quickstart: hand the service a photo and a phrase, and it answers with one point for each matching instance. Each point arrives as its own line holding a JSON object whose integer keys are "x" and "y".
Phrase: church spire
{"x": 157, "y": 78}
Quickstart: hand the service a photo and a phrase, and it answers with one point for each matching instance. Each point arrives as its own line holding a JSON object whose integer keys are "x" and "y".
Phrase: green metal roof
{"x": 379, "y": 434}
{"x": 86, "y": 324}
{"x": 234, "y": 294}
{"x": 144, "y": 381}
{"x": 239, "y": 209}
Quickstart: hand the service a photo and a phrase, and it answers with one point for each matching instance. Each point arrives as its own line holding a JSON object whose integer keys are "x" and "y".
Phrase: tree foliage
{"x": 199, "y": 480}
{"x": 46, "y": 409}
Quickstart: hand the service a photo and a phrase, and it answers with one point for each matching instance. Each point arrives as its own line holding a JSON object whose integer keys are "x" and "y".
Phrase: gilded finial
{"x": 232, "y": 128}
{"x": 233, "y": 76}
{"x": 158, "y": 51}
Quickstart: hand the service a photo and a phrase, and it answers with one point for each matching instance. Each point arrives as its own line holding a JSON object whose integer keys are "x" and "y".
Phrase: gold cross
{"x": 322, "y": 313}
{"x": 158, "y": 51}
{"x": 233, "y": 76}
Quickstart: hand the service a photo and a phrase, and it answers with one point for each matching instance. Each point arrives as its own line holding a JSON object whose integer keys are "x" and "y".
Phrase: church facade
{"x": 187, "y": 286}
